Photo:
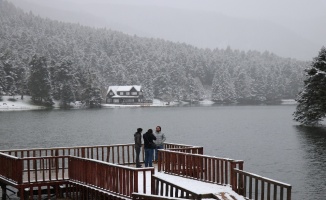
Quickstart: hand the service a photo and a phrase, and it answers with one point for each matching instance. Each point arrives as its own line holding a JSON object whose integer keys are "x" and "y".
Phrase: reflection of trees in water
{"x": 313, "y": 144}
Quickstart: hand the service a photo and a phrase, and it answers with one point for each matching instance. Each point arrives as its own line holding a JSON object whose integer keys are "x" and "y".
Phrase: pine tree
{"x": 223, "y": 90}
{"x": 3, "y": 82}
{"x": 311, "y": 108}
{"x": 63, "y": 82}
{"x": 39, "y": 83}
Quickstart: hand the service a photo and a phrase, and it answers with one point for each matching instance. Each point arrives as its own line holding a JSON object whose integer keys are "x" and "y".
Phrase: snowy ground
{"x": 10, "y": 103}
{"x": 199, "y": 187}
{"x": 155, "y": 103}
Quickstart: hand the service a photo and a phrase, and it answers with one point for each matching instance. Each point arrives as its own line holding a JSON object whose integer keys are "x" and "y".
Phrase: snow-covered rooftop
{"x": 126, "y": 88}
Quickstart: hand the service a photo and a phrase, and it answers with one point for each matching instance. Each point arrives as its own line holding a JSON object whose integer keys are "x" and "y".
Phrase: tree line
{"x": 79, "y": 63}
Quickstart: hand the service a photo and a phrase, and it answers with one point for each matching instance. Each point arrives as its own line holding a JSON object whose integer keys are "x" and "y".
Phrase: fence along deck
{"x": 98, "y": 172}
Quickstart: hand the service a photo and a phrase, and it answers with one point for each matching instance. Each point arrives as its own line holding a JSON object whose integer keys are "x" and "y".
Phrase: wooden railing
{"x": 118, "y": 154}
{"x": 256, "y": 187}
{"x": 167, "y": 189}
{"x": 11, "y": 169}
{"x": 78, "y": 191}
{"x": 90, "y": 166}
{"x": 184, "y": 148}
{"x": 137, "y": 196}
{"x": 119, "y": 179}
{"x": 45, "y": 169}
{"x": 201, "y": 167}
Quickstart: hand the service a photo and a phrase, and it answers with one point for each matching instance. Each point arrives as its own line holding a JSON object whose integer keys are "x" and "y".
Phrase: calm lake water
{"x": 265, "y": 137}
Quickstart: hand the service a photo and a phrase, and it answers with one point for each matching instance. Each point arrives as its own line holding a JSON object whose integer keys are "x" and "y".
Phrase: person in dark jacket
{"x": 149, "y": 148}
{"x": 137, "y": 137}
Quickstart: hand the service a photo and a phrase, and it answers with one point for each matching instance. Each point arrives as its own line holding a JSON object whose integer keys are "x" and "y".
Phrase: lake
{"x": 265, "y": 137}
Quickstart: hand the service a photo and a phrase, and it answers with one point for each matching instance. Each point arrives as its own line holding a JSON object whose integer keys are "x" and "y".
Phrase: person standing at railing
{"x": 149, "y": 146}
{"x": 137, "y": 137}
{"x": 160, "y": 139}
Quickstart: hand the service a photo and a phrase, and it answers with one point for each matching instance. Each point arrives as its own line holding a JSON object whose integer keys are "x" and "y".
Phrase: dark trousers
{"x": 149, "y": 157}
{"x": 156, "y": 152}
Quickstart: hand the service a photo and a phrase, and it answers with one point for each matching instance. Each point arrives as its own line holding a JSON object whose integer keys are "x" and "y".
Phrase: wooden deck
{"x": 108, "y": 172}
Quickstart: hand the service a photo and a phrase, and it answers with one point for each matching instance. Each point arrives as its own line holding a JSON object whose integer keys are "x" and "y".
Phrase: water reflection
{"x": 313, "y": 145}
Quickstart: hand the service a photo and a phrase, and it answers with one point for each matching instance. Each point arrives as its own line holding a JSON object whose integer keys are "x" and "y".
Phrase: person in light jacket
{"x": 160, "y": 139}
{"x": 137, "y": 137}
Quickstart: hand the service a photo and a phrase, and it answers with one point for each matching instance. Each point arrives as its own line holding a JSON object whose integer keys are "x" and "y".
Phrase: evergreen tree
{"x": 39, "y": 83}
{"x": 311, "y": 108}
{"x": 3, "y": 82}
{"x": 91, "y": 93}
{"x": 63, "y": 82}
{"x": 223, "y": 90}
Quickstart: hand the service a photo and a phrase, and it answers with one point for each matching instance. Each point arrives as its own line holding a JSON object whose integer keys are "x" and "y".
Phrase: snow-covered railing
{"x": 167, "y": 189}
{"x": 119, "y": 153}
{"x": 11, "y": 169}
{"x": 45, "y": 169}
{"x": 110, "y": 177}
{"x": 253, "y": 186}
{"x": 201, "y": 167}
{"x": 137, "y": 196}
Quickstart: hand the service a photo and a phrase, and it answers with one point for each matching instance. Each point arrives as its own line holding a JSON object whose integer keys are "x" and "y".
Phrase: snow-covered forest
{"x": 80, "y": 58}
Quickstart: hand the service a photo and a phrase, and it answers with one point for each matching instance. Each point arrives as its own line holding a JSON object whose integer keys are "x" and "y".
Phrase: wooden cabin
{"x": 129, "y": 94}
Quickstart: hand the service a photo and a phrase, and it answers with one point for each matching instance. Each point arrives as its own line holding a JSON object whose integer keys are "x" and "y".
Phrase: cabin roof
{"x": 125, "y": 88}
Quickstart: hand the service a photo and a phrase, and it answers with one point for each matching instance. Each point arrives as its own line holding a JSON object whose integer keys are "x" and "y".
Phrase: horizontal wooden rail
{"x": 137, "y": 196}
{"x": 119, "y": 179}
{"x": 201, "y": 167}
{"x": 184, "y": 148}
{"x": 192, "y": 150}
{"x": 257, "y": 187}
{"x": 119, "y": 153}
{"x": 167, "y": 189}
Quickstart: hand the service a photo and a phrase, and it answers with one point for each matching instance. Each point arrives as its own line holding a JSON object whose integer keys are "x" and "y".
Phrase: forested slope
{"x": 79, "y": 57}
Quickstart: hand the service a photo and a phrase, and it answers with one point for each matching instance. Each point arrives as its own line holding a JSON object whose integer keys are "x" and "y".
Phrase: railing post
{"x": 288, "y": 193}
{"x": 233, "y": 176}
{"x": 152, "y": 181}
{"x": 201, "y": 150}
{"x": 19, "y": 171}
{"x": 4, "y": 190}
{"x": 136, "y": 181}
{"x": 160, "y": 155}
{"x": 241, "y": 179}
{"x": 83, "y": 152}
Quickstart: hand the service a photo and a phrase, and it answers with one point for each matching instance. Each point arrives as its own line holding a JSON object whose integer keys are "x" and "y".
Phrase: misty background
{"x": 289, "y": 28}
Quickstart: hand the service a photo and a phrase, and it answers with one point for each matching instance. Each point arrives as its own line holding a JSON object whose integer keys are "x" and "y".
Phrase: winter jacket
{"x": 137, "y": 137}
{"x": 148, "y": 138}
{"x": 160, "y": 138}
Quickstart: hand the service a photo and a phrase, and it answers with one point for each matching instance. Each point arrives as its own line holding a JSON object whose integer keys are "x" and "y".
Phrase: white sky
{"x": 297, "y": 21}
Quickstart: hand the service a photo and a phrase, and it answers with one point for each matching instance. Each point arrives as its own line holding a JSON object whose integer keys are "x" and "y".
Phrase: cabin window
{"x": 121, "y": 93}
{"x": 115, "y": 100}
{"x": 129, "y": 100}
{"x": 111, "y": 93}
{"x": 134, "y": 93}
{"x": 127, "y": 93}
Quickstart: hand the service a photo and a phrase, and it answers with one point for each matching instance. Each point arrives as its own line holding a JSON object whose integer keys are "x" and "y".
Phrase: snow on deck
{"x": 196, "y": 186}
